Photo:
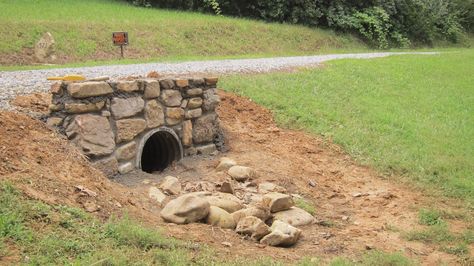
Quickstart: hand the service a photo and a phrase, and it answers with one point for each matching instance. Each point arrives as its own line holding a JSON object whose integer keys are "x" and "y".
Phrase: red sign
{"x": 120, "y": 38}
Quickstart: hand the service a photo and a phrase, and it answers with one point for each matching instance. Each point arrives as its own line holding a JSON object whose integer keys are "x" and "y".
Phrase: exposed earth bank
{"x": 356, "y": 208}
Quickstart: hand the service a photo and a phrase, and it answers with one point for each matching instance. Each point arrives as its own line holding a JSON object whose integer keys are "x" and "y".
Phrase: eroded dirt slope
{"x": 355, "y": 206}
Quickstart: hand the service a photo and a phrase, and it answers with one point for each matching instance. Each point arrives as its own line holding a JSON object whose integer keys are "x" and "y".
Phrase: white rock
{"x": 241, "y": 173}
{"x": 294, "y": 216}
{"x": 156, "y": 194}
{"x": 171, "y": 185}
{"x": 282, "y": 234}
{"x": 253, "y": 227}
{"x": 225, "y": 163}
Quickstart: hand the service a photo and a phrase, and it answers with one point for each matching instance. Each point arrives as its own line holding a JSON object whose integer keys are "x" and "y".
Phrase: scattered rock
{"x": 86, "y": 191}
{"x": 282, "y": 234}
{"x": 267, "y": 187}
{"x": 225, "y": 201}
{"x": 294, "y": 216}
{"x": 171, "y": 185}
{"x": 277, "y": 202}
{"x": 156, "y": 194}
{"x": 241, "y": 173}
{"x": 256, "y": 211}
{"x": 252, "y": 226}
{"x": 90, "y": 206}
{"x": 188, "y": 208}
{"x": 227, "y": 244}
{"x": 225, "y": 163}
{"x": 227, "y": 187}
{"x": 312, "y": 183}
{"x": 208, "y": 149}
{"x": 219, "y": 217}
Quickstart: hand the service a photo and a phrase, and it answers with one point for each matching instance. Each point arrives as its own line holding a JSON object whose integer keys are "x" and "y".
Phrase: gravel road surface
{"x": 13, "y": 83}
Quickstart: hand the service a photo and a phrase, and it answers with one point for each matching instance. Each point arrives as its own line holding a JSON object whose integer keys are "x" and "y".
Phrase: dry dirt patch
{"x": 355, "y": 207}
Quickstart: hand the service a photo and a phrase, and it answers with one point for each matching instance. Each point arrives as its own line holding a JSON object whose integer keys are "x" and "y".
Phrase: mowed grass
{"x": 411, "y": 116}
{"x": 82, "y": 30}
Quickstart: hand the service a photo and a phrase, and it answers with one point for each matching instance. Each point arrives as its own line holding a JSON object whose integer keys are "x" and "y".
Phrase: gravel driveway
{"x": 13, "y": 83}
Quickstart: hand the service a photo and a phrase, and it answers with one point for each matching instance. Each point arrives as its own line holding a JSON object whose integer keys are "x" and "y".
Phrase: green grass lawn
{"x": 412, "y": 116}
{"x": 82, "y": 30}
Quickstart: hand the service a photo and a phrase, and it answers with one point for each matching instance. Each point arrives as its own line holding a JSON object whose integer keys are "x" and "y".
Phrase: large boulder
{"x": 256, "y": 211}
{"x": 225, "y": 201}
{"x": 276, "y": 202}
{"x": 294, "y": 216}
{"x": 219, "y": 217}
{"x": 253, "y": 227}
{"x": 186, "y": 209}
{"x": 267, "y": 187}
{"x": 92, "y": 134}
{"x": 282, "y": 234}
{"x": 241, "y": 173}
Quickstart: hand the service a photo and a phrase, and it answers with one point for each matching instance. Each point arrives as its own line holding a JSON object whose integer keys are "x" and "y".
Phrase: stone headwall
{"x": 109, "y": 121}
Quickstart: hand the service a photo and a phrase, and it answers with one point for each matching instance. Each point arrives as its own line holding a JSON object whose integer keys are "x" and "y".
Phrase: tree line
{"x": 381, "y": 23}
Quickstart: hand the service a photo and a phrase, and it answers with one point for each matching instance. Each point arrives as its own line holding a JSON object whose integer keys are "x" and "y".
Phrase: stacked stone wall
{"x": 108, "y": 120}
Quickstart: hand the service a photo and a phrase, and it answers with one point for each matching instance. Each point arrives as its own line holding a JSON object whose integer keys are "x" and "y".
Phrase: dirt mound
{"x": 46, "y": 167}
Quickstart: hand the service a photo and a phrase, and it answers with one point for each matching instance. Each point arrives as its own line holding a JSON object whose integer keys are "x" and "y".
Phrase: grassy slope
{"x": 412, "y": 115}
{"x": 82, "y": 30}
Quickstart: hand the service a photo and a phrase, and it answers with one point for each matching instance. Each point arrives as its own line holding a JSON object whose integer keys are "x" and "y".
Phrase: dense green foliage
{"x": 408, "y": 116}
{"x": 383, "y": 23}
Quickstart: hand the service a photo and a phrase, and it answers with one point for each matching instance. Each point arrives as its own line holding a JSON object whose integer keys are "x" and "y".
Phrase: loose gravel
{"x": 14, "y": 83}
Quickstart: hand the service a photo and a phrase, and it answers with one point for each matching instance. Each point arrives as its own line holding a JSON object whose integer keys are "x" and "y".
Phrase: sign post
{"x": 120, "y": 38}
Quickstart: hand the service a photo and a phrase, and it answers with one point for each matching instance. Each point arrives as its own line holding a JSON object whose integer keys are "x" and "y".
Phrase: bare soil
{"x": 357, "y": 208}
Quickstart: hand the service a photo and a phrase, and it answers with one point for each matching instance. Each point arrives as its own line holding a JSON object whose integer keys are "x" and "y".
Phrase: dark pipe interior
{"x": 160, "y": 150}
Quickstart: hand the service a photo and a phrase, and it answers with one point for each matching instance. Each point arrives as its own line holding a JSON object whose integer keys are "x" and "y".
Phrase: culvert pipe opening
{"x": 160, "y": 150}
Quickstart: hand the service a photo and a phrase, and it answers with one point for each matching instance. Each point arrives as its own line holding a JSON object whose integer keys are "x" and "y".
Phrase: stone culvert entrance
{"x": 158, "y": 149}
{"x": 138, "y": 124}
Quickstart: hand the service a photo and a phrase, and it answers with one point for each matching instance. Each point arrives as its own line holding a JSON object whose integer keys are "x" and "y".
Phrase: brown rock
{"x": 282, "y": 234}
{"x": 241, "y": 173}
{"x": 56, "y": 88}
{"x": 221, "y": 218}
{"x": 127, "y": 129}
{"x": 294, "y": 216}
{"x": 211, "y": 100}
{"x": 92, "y": 134}
{"x": 89, "y": 89}
{"x": 54, "y": 121}
{"x": 152, "y": 89}
{"x": 205, "y": 128}
{"x": 128, "y": 86}
{"x": 45, "y": 48}
{"x": 156, "y": 195}
{"x": 122, "y": 108}
{"x": 194, "y": 103}
{"x": 225, "y": 163}
{"x": 253, "y": 227}
{"x": 167, "y": 84}
{"x": 257, "y": 211}
{"x": 277, "y": 202}
{"x": 79, "y": 108}
{"x": 186, "y": 209}
{"x": 182, "y": 83}
{"x": 206, "y": 149}
{"x": 174, "y": 116}
{"x": 187, "y": 138}
{"x": 154, "y": 114}
{"x": 126, "y": 152}
{"x": 211, "y": 81}
{"x": 267, "y": 187}
{"x": 109, "y": 166}
{"x": 171, "y": 98}
{"x": 171, "y": 185}
{"x": 194, "y": 113}
{"x": 227, "y": 187}
{"x": 225, "y": 201}
{"x": 194, "y": 92}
